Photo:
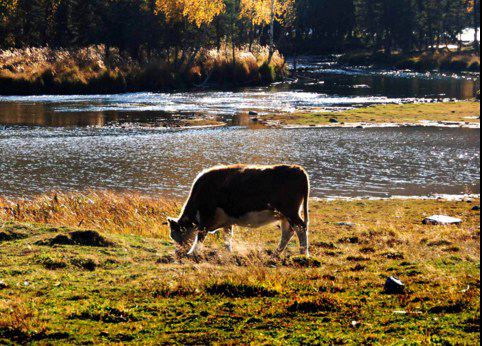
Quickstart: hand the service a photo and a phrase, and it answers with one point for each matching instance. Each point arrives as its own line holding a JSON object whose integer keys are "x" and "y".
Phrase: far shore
{"x": 443, "y": 114}
{"x": 462, "y": 114}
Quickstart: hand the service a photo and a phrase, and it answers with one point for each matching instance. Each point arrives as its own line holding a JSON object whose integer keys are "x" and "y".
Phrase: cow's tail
{"x": 306, "y": 202}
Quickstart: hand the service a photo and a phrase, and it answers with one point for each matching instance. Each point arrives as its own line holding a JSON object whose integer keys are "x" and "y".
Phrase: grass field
{"x": 467, "y": 111}
{"x": 125, "y": 284}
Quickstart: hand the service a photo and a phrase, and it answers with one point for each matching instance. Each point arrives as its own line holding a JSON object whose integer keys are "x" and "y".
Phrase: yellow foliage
{"x": 259, "y": 11}
{"x": 199, "y": 12}
{"x": 7, "y": 7}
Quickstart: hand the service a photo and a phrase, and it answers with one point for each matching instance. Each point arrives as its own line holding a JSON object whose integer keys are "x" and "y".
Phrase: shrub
{"x": 475, "y": 66}
{"x": 44, "y": 70}
{"x": 267, "y": 73}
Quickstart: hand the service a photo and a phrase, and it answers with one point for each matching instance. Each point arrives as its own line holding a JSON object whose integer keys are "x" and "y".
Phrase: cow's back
{"x": 241, "y": 189}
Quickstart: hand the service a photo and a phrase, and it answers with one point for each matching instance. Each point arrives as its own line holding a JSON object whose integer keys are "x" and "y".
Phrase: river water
{"x": 341, "y": 162}
{"x": 76, "y": 142}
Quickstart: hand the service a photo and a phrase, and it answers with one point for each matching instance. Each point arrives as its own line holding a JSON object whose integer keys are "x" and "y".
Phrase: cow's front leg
{"x": 302, "y": 233}
{"x": 287, "y": 233}
{"x": 228, "y": 234}
{"x": 193, "y": 251}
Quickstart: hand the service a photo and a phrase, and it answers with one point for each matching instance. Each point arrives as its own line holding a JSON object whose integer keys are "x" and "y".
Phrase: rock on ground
{"x": 441, "y": 220}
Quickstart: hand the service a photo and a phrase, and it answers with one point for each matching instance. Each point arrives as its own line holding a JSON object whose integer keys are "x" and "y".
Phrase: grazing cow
{"x": 246, "y": 196}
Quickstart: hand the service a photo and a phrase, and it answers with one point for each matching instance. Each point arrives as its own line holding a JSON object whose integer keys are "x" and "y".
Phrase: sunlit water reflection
{"x": 341, "y": 162}
{"x": 322, "y": 84}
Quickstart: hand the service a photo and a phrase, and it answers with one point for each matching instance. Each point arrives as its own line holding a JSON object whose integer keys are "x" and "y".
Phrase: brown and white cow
{"x": 246, "y": 196}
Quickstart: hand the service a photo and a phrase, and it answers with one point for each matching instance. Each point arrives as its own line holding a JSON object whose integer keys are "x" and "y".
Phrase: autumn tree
{"x": 264, "y": 12}
{"x": 7, "y": 10}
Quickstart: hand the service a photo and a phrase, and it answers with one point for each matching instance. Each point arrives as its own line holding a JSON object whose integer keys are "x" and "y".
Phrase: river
{"x": 78, "y": 142}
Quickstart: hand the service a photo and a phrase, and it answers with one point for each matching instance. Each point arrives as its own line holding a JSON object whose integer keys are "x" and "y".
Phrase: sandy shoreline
{"x": 434, "y": 197}
{"x": 425, "y": 123}
{"x": 260, "y": 125}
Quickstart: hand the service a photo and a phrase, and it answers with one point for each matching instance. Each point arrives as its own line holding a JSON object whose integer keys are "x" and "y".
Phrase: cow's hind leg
{"x": 287, "y": 234}
{"x": 302, "y": 232}
{"x": 228, "y": 234}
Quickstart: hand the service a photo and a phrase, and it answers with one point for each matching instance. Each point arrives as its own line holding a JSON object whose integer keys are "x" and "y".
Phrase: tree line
{"x": 173, "y": 28}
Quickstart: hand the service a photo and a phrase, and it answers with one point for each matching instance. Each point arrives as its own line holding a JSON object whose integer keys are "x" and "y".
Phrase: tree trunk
{"x": 271, "y": 33}
{"x": 107, "y": 54}
{"x": 476, "y": 26}
{"x": 251, "y": 37}
{"x": 192, "y": 58}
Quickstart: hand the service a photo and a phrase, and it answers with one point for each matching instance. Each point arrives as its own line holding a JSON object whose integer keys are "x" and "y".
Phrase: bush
{"x": 83, "y": 71}
{"x": 475, "y": 66}
{"x": 267, "y": 73}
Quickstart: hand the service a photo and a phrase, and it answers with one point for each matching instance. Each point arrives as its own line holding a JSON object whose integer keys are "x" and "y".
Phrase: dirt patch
{"x": 349, "y": 240}
{"x": 218, "y": 257}
{"x": 324, "y": 245}
{"x": 331, "y": 289}
{"x": 85, "y": 263}
{"x": 367, "y": 250}
{"x": 11, "y": 235}
{"x": 52, "y": 263}
{"x": 107, "y": 315}
{"x": 166, "y": 259}
{"x": 357, "y": 259}
{"x": 305, "y": 262}
{"x": 358, "y": 268}
{"x": 472, "y": 325}
{"x": 439, "y": 243}
{"x": 452, "y": 249}
{"x": 414, "y": 272}
{"x": 20, "y": 336}
{"x": 231, "y": 290}
{"x": 334, "y": 253}
{"x": 80, "y": 238}
{"x": 454, "y": 308}
{"x": 393, "y": 255}
{"x": 314, "y": 305}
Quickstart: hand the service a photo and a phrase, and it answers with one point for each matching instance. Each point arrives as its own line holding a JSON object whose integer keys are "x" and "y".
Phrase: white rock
{"x": 441, "y": 220}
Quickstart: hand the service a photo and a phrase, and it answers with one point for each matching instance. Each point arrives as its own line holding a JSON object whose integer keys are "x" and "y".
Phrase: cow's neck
{"x": 189, "y": 211}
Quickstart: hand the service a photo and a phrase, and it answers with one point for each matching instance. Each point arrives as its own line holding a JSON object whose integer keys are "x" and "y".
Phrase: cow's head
{"x": 183, "y": 232}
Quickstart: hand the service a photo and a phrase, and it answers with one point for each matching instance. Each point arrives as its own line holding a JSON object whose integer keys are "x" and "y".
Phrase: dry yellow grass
{"x": 398, "y": 222}
{"x": 100, "y": 210}
{"x": 88, "y": 70}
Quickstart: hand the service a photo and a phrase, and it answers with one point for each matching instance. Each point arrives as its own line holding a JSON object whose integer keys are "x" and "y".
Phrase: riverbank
{"x": 40, "y": 71}
{"x": 465, "y": 114}
{"x": 126, "y": 285}
{"x": 443, "y": 60}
